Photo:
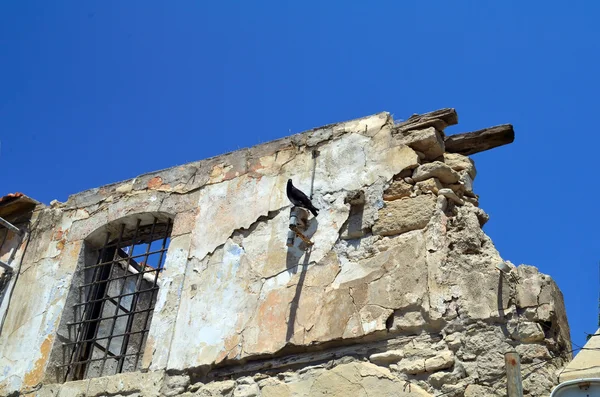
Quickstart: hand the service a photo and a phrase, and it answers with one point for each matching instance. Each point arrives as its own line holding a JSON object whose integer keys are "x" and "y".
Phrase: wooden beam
{"x": 479, "y": 141}
{"x": 439, "y": 119}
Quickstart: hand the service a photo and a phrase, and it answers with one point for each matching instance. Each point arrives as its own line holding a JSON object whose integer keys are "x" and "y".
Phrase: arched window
{"x": 117, "y": 287}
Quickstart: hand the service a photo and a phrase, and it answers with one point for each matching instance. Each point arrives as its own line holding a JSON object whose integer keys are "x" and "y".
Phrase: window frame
{"x": 94, "y": 291}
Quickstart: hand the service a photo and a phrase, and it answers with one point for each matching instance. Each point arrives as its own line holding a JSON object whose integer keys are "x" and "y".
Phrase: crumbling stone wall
{"x": 399, "y": 295}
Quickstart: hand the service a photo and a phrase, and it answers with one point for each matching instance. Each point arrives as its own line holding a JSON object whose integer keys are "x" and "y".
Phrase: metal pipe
{"x": 514, "y": 385}
{"x": 10, "y": 226}
{"x": 6, "y": 266}
{"x": 290, "y": 238}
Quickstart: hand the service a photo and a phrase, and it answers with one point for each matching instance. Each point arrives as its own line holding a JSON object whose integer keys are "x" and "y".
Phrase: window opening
{"x": 116, "y": 301}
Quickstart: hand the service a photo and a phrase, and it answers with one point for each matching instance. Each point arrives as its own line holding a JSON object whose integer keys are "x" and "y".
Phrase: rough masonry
{"x": 399, "y": 295}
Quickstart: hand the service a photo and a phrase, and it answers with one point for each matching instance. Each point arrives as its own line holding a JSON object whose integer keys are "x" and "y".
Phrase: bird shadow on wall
{"x": 299, "y": 251}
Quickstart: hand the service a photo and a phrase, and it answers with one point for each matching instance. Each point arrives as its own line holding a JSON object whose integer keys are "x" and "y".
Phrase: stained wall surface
{"x": 399, "y": 288}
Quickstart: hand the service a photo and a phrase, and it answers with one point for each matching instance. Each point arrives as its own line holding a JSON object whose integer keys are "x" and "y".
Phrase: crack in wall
{"x": 245, "y": 232}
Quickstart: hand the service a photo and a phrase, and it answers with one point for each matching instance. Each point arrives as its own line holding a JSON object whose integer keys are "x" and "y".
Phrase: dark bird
{"x": 299, "y": 199}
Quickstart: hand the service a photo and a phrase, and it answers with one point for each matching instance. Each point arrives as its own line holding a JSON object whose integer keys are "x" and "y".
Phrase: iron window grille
{"x": 116, "y": 301}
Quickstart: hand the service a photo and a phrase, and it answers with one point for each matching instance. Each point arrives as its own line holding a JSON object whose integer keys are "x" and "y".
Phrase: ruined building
{"x": 183, "y": 282}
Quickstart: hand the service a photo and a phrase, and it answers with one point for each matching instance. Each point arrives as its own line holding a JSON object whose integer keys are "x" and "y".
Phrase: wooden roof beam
{"x": 478, "y": 141}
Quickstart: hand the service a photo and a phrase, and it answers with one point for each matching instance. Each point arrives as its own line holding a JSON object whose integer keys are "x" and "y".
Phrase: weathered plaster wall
{"x": 399, "y": 293}
{"x": 12, "y": 247}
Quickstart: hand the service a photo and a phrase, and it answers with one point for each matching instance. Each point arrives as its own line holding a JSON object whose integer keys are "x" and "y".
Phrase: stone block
{"x": 74, "y": 389}
{"x": 441, "y": 378}
{"x": 528, "y": 352}
{"x": 246, "y": 387}
{"x": 530, "y": 286}
{"x": 367, "y": 126}
{"x": 438, "y": 170}
{"x": 477, "y": 391}
{"x": 48, "y": 391}
{"x": 529, "y": 332}
{"x": 472, "y": 200}
{"x": 98, "y": 386}
{"x": 449, "y": 194}
{"x": 318, "y": 136}
{"x": 427, "y": 141}
{"x": 439, "y": 361}
{"x": 397, "y": 190}
{"x": 432, "y": 185}
{"x": 453, "y": 341}
{"x": 404, "y": 215}
{"x": 467, "y": 181}
{"x": 373, "y": 318}
{"x": 458, "y": 188}
{"x": 412, "y": 366}
{"x": 217, "y": 389}
{"x": 354, "y": 379}
{"x": 81, "y": 229}
{"x": 411, "y": 322}
{"x": 88, "y": 197}
{"x": 386, "y": 358}
{"x": 458, "y": 162}
{"x": 184, "y": 222}
{"x": 174, "y": 385}
{"x": 275, "y": 390}
{"x": 147, "y": 383}
{"x": 124, "y": 188}
{"x": 168, "y": 179}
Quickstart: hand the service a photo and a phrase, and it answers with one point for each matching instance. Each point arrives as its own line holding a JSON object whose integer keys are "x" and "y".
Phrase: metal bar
{"x": 124, "y": 276}
{"x": 98, "y": 307}
{"x": 114, "y": 302}
{"x": 99, "y": 346}
{"x": 142, "y": 237}
{"x": 106, "y": 337}
{"x": 114, "y": 322}
{"x": 134, "y": 301}
{"x": 514, "y": 385}
{"x": 115, "y": 357}
{"x": 10, "y": 226}
{"x": 290, "y": 238}
{"x": 100, "y": 290}
{"x": 121, "y": 260}
{"x": 4, "y": 239}
{"x": 77, "y": 349}
{"x": 102, "y": 299}
{"x": 108, "y": 318}
{"x": 6, "y": 266}
{"x": 150, "y": 304}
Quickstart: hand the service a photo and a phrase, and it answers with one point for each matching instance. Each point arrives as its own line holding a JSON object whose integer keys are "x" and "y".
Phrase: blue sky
{"x": 96, "y": 92}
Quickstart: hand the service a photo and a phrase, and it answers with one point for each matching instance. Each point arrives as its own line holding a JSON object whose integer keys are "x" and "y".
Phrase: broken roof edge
{"x": 231, "y": 164}
{"x": 295, "y": 139}
{"x": 17, "y": 196}
{"x": 17, "y": 203}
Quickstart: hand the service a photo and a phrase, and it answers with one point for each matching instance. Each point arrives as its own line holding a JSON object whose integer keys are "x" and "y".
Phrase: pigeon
{"x": 299, "y": 199}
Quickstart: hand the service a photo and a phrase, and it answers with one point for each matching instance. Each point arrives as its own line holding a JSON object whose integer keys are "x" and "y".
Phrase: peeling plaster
{"x": 232, "y": 290}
